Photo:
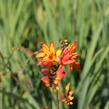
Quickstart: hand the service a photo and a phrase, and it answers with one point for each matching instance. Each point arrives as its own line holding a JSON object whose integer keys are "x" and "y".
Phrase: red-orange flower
{"x": 48, "y": 53}
{"x": 67, "y": 97}
{"x": 69, "y": 56}
{"x": 53, "y": 78}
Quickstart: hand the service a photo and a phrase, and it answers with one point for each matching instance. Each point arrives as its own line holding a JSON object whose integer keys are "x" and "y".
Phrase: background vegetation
{"x": 26, "y": 23}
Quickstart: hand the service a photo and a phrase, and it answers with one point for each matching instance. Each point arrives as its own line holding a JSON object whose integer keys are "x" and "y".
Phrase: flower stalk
{"x": 53, "y": 60}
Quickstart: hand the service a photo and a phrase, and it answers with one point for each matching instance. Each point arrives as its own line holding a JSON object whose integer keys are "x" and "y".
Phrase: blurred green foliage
{"x": 86, "y": 21}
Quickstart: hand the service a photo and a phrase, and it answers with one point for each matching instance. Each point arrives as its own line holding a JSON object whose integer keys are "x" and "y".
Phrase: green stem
{"x": 57, "y": 101}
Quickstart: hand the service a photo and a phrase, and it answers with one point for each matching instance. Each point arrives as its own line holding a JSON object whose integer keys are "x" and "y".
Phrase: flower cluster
{"x": 67, "y": 96}
{"x": 53, "y": 60}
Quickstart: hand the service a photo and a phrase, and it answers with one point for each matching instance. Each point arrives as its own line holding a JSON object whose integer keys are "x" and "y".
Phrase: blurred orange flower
{"x": 48, "y": 53}
{"x": 53, "y": 60}
{"x": 67, "y": 97}
{"x": 53, "y": 78}
{"x": 69, "y": 56}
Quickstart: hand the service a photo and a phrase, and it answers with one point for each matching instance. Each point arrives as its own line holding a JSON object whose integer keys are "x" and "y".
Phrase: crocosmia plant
{"x": 53, "y": 59}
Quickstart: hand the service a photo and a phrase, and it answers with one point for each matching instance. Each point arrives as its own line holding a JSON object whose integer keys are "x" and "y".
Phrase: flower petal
{"x": 48, "y": 63}
{"x": 45, "y": 58}
{"x": 39, "y": 62}
{"x": 71, "y": 67}
{"x": 45, "y": 80}
{"x": 52, "y": 49}
{"x": 74, "y": 55}
{"x": 60, "y": 74}
{"x": 73, "y": 46}
{"x": 56, "y": 88}
{"x": 45, "y": 70}
{"x": 40, "y": 54}
{"x": 71, "y": 103}
{"x": 65, "y": 58}
{"x": 71, "y": 92}
{"x": 69, "y": 62}
{"x": 58, "y": 52}
{"x": 70, "y": 97}
{"x": 66, "y": 50}
{"x": 77, "y": 64}
{"x": 67, "y": 87}
{"x": 45, "y": 48}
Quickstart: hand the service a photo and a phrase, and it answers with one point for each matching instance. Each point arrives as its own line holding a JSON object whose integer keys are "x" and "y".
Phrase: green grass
{"x": 51, "y": 20}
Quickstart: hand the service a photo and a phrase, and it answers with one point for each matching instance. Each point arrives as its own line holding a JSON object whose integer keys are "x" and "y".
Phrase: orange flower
{"x": 67, "y": 97}
{"x": 53, "y": 78}
{"x": 69, "y": 56}
{"x": 48, "y": 53}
